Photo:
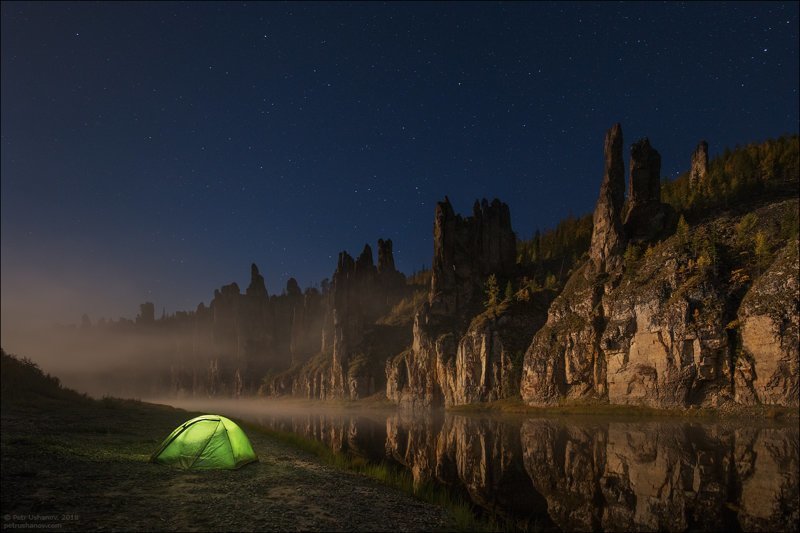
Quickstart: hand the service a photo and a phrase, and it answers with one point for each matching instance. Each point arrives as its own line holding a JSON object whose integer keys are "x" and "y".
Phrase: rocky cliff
{"x": 444, "y": 367}
{"x": 665, "y": 324}
{"x": 606, "y": 244}
{"x": 466, "y": 250}
{"x": 240, "y": 338}
{"x": 465, "y": 350}
{"x": 349, "y": 360}
{"x": 646, "y": 216}
{"x": 766, "y": 364}
{"x": 691, "y": 303}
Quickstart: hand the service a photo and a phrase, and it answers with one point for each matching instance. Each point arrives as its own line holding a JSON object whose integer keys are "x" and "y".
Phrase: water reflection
{"x": 571, "y": 474}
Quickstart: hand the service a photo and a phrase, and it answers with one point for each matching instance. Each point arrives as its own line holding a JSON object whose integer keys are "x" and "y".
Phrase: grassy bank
{"x": 461, "y": 511}
{"x": 76, "y": 464}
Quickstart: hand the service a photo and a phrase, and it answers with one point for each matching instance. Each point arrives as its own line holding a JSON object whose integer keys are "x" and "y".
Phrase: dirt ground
{"x": 84, "y": 466}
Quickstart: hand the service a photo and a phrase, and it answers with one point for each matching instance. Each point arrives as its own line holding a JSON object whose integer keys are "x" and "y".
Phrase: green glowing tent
{"x": 205, "y": 442}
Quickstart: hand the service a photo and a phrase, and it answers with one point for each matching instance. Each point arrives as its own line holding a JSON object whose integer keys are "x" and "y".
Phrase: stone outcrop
{"x": 564, "y": 360}
{"x": 607, "y": 237}
{"x": 662, "y": 331}
{"x": 663, "y": 335}
{"x": 228, "y": 347}
{"x": 657, "y": 339}
{"x": 768, "y": 367}
{"x": 349, "y": 362}
{"x": 307, "y": 323}
{"x": 147, "y": 315}
{"x": 256, "y": 322}
{"x": 462, "y": 353}
{"x": 488, "y": 359}
{"x": 645, "y": 175}
{"x": 391, "y": 281}
{"x": 484, "y": 364}
{"x": 248, "y": 330}
{"x": 665, "y": 344}
{"x": 328, "y": 337}
{"x": 466, "y": 251}
{"x": 385, "y": 257}
{"x": 698, "y": 170}
{"x": 696, "y": 319}
{"x": 645, "y": 215}
{"x": 411, "y": 378}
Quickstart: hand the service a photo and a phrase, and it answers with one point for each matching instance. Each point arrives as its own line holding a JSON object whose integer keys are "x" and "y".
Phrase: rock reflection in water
{"x": 548, "y": 473}
{"x": 662, "y": 476}
{"x": 360, "y": 435}
{"x": 478, "y": 455}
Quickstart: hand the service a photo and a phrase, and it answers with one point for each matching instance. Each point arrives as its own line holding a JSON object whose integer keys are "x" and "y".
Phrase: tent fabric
{"x": 204, "y": 443}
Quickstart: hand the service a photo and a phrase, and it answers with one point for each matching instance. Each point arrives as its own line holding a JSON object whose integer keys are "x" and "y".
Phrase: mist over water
{"x": 571, "y": 473}
{"x": 41, "y": 307}
{"x": 118, "y": 361}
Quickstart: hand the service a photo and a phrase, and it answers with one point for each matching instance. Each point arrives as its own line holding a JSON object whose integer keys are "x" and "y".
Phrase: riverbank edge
{"x": 461, "y": 511}
{"x": 462, "y": 517}
{"x": 515, "y": 406}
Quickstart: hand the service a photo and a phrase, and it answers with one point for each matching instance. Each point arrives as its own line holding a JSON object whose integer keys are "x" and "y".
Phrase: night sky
{"x": 153, "y": 151}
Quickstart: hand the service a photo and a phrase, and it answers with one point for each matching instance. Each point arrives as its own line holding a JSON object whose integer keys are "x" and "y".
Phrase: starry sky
{"x": 152, "y": 151}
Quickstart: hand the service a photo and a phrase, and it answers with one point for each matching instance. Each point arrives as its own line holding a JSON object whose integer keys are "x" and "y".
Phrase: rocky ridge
{"x": 657, "y": 312}
{"x": 660, "y": 331}
{"x": 349, "y": 361}
{"x": 461, "y": 351}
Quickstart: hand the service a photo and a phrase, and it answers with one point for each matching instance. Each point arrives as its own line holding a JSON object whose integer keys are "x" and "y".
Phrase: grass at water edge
{"x": 461, "y": 510}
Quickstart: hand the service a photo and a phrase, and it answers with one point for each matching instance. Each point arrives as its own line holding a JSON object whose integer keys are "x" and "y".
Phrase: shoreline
{"x": 514, "y": 407}
{"x": 51, "y": 446}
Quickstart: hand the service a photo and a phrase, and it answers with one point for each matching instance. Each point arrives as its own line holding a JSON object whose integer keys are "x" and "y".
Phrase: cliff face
{"x": 646, "y": 215}
{"x": 667, "y": 329}
{"x": 563, "y": 360}
{"x": 240, "y": 338}
{"x": 461, "y": 352}
{"x": 766, "y": 367}
{"x": 607, "y": 220}
{"x": 658, "y": 313}
{"x": 466, "y": 251}
{"x": 349, "y": 360}
{"x": 306, "y": 327}
{"x": 664, "y": 341}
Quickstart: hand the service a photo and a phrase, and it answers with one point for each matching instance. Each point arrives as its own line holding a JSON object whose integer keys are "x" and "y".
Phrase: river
{"x": 571, "y": 472}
